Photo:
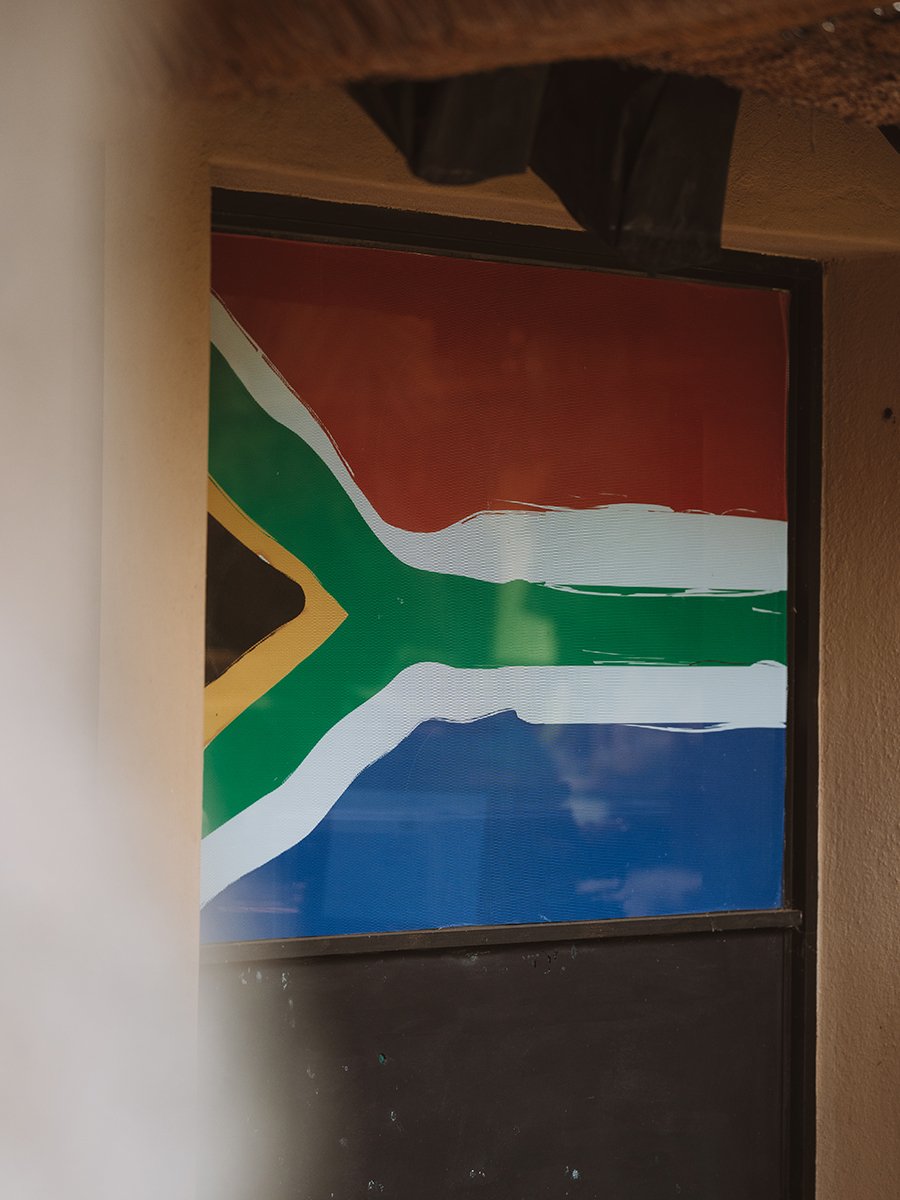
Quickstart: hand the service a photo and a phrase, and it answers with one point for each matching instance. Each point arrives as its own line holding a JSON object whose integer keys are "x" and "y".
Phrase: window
{"x": 510, "y": 671}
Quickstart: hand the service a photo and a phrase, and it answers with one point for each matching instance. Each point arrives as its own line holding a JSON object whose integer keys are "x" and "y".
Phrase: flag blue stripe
{"x": 499, "y": 821}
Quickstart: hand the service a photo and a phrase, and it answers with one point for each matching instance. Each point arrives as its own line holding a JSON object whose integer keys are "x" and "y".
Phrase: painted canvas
{"x": 496, "y": 612}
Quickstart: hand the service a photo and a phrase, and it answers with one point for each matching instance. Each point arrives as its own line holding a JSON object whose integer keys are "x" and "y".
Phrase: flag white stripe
{"x": 617, "y": 545}
{"x": 719, "y": 697}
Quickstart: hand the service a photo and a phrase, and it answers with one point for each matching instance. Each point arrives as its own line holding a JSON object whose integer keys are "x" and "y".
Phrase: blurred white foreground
{"x": 96, "y": 1008}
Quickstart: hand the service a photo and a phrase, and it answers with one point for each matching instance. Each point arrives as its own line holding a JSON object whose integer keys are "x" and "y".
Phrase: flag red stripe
{"x": 453, "y": 386}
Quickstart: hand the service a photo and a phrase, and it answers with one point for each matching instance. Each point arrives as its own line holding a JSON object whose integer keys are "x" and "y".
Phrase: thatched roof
{"x": 849, "y": 65}
{"x": 796, "y": 50}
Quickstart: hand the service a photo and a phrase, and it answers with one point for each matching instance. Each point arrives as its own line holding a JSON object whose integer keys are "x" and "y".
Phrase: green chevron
{"x": 398, "y": 615}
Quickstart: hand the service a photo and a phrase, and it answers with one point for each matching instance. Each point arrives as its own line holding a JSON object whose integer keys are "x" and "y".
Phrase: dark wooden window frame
{"x": 285, "y": 217}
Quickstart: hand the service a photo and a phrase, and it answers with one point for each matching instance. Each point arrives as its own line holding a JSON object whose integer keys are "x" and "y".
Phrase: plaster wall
{"x": 799, "y": 185}
{"x": 859, "y": 917}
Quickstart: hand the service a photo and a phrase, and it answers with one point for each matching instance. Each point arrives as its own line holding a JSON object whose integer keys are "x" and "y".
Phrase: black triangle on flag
{"x": 246, "y": 599}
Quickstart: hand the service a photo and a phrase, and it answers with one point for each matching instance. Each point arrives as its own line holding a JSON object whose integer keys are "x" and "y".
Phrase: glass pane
{"x": 496, "y": 593}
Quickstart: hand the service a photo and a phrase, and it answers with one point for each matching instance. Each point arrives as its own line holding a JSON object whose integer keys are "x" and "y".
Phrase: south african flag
{"x": 496, "y": 604}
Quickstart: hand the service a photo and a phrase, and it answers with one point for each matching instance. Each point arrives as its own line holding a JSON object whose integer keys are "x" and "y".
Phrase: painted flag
{"x": 496, "y": 594}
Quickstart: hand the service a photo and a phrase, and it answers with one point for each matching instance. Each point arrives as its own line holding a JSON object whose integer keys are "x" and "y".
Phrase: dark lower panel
{"x": 629, "y": 1070}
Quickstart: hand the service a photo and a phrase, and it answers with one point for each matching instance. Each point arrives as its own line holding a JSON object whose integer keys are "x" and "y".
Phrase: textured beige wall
{"x": 859, "y": 1006}
{"x": 150, "y": 711}
{"x": 799, "y": 184}
{"x": 156, "y": 343}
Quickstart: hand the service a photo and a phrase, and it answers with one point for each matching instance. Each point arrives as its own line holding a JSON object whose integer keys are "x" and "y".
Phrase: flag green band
{"x": 398, "y": 615}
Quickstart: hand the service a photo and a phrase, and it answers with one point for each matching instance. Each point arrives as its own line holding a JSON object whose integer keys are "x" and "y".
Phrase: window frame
{"x": 293, "y": 218}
